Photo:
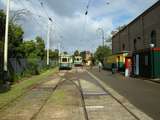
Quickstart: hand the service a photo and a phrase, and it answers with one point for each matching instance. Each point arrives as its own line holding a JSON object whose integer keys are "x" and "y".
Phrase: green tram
{"x": 78, "y": 61}
{"x": 65, "y": 62}
{"x": 117, "y": 59}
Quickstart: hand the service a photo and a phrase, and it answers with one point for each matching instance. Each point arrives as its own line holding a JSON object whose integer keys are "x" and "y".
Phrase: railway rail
{"x": 77, "y": 83}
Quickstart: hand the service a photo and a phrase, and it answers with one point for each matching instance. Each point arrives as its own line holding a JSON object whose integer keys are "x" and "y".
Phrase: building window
{"x": 135, "y": 42}
{"x": 123, "y": 47}
{"x": 153, "y": 37}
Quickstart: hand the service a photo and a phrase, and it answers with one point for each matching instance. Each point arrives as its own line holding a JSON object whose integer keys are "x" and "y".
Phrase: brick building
{"x": 140, "y": 33}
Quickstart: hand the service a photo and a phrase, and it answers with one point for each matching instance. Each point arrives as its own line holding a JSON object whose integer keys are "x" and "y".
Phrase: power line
{"x": 33, "y": 15}
{"x": 41, "y": 5}
{"x": 87, "y": 7}
{"x": 33, "y": 18}
{"x": 45, "y": 11}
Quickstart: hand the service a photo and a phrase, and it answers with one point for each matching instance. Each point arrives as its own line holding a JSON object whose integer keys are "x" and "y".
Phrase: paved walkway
{"x": 143, "y": 94}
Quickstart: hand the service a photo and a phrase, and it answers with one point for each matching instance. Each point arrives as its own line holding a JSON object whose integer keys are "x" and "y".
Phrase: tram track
{"x": 69, "y": 78}
{"x": 61, "y": 82}
{"x": 104, "y": 90}
{"x": 46, "y": 100}
{"x": 22, "y": 94}
{"x": 79, "y": 87}
{"x": 124, "y": 106}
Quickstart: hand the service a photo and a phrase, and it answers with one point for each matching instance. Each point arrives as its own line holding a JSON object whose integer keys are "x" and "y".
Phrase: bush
{"x": 33, "y": 66}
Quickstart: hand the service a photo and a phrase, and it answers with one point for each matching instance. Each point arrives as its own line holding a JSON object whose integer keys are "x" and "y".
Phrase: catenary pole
{"x": 6, "y": 38}
{"x": 102, "y": 32}
{"x": 59, "y": 46}
{"x": 48, "y": 39}
{"x": 48, "y": 42}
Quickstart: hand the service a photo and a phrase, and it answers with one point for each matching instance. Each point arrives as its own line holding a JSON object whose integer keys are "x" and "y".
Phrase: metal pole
{"x": 102, "y": 31}
{"x": 59, "y": 45}
{"x": 6, "y": 38}
{"x": 103, "y": 37}
{"x": 48, "y": 41}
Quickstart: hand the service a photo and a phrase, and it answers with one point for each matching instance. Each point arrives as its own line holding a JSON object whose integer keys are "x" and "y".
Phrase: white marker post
{"x": 6, "y": 38}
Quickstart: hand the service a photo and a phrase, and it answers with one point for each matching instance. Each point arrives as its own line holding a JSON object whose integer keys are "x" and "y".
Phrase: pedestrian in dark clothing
{"x": 113, "y": 68}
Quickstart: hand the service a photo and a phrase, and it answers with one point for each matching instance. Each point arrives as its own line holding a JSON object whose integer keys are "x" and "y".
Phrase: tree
{"x": 15, "y": 36}
{"x": 32, "y": 54}
{"x": 15, "y": 39}
{"x": 28, "y": 47}
{"x": 65, "y": 52}
{"x": 118, "y": 29}
{"x": 17, "y": 15}
{"x": 76, "y": 53}
{"x": 2, "y": 29}
{"x": 40, "y": 47}
{"x": 54, "y": 54}
{"x": 83, "y": 54}
{"x": 102, "y": 52}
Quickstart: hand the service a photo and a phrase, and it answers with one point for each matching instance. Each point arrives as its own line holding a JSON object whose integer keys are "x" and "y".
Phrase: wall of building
{"x": 137, "y": 34}
{"x": 115, "y": 44}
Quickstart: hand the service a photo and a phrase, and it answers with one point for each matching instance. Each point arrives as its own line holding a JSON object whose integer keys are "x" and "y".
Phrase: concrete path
{"x": 143, "y": 94}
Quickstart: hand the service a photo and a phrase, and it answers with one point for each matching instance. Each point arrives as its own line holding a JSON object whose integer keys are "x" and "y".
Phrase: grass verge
{"x": 20, "y": 88}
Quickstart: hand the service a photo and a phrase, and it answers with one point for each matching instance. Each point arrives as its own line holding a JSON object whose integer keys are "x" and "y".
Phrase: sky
{"x": 70, "y": 26}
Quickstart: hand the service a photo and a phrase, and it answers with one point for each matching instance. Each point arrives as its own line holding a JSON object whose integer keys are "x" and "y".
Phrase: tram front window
{"x": 64, "y": 59}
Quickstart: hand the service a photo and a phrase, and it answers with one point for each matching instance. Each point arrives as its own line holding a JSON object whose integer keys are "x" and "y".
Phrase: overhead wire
{"x": 46, "y": 13}
{"x": 45, "y": 18}
{"x": 85, "y": 22}
{"x": 32, "y": 14}
{"x": 42, "y": 5}
{"x": 33, "y": 19}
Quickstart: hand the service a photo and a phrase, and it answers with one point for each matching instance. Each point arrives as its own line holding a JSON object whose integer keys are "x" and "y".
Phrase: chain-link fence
{"x": 19, "y": 67}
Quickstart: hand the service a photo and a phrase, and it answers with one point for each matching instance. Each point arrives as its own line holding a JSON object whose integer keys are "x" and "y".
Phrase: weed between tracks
{"x": 58, "y": 97}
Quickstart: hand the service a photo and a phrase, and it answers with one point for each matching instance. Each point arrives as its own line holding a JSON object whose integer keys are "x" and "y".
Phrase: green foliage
{"x": 15, "y": 36}
{"x": 76, "y": 53}
{"x": 65, "y": 52}
{"x": 32, "y": 50}
{"x": 40, "y": 47}
{"x": 27, "y": 48}
{"x": 83, "y": 54}
{"x": 54, "y": 54}
{"x": 2, "y": 25}
{"x": 23, "y": 86}
{"x": 102, "y": 52}
{"x": 15, "y": 39}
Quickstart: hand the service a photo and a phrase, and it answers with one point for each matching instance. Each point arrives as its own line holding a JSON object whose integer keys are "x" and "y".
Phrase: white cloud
{"x": 69, "y": 22}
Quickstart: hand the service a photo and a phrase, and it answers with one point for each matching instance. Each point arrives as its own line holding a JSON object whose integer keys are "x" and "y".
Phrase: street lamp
{"x": 102, "y": 31}
{"x": 6, "y": 38}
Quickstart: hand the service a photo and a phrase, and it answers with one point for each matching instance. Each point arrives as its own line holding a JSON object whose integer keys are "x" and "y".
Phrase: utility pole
{"x": 59, "y": 47}
{"x": 6, "y": 38}
{"x": 103, "y": 37}
{"x": 48, "y": 39}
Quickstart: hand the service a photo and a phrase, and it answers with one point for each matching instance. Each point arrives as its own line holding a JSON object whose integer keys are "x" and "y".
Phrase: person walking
{"x": 113, "y": 68}
{"x": 99, "y": 66}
